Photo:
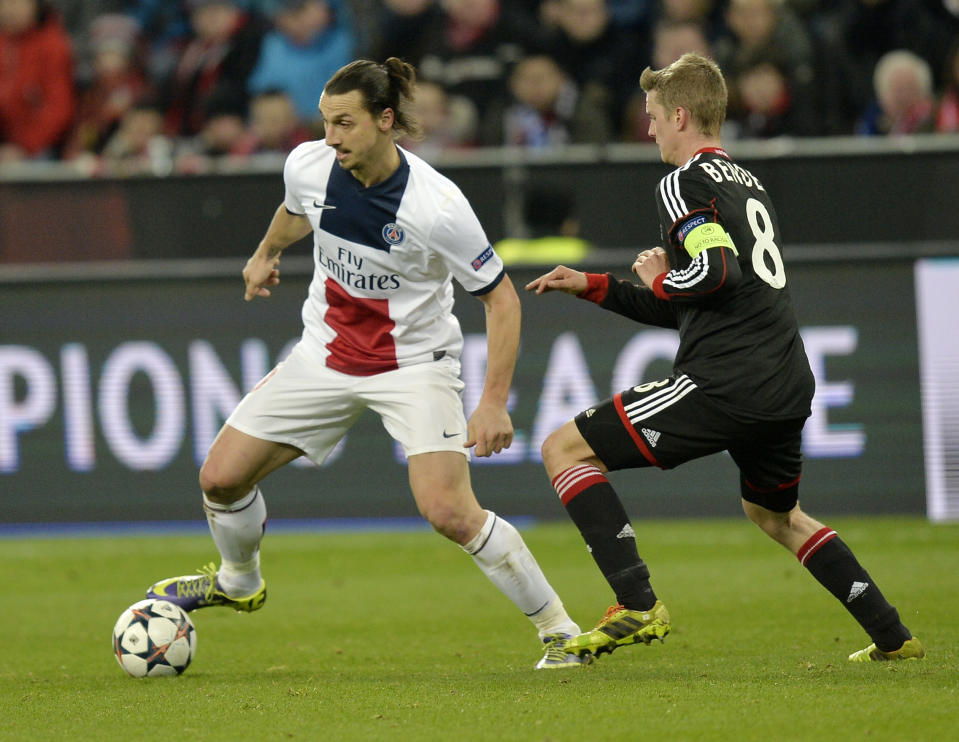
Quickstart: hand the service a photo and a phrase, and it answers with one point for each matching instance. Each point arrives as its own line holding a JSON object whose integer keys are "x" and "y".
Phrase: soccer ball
{"x": 154, "y": 637}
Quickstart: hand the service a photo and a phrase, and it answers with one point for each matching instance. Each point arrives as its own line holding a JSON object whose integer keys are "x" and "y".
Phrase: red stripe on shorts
{"x": 777, "y": 488}
{"x": 815, "y": 542}
{"x": 574, "y": 480}
{"x": 637, "y": 438}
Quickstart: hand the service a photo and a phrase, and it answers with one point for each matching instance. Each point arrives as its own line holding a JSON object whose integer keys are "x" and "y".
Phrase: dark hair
{"x": 388, "y": 85}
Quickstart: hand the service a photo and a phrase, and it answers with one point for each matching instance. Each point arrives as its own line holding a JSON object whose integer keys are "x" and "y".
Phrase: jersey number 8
{"x": 764, "y": 245}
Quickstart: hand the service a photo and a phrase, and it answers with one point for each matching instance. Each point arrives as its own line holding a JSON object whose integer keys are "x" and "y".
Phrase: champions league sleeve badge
{"x": 481, "y": 259}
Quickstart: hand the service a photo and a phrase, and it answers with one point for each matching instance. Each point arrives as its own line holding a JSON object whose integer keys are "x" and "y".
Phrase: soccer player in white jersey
{"x": 390, "y": 234}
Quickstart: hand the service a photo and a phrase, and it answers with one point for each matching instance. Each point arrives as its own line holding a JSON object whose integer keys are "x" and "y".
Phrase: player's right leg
{"x": 236, "y": 514}
{"x": 579, "y": 477}
{"x": 301, "y": 407}
{"x": 660, "y": 424}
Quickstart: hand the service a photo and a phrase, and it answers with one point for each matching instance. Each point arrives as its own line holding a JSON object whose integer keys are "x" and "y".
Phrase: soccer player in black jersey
{"x": 741, "y": 380}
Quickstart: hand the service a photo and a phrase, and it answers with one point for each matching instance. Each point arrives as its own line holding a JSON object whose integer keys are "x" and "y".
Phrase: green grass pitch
{"x": 397, "y": 636}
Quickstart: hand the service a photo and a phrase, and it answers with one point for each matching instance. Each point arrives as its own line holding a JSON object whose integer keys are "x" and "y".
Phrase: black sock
{"x": 836, "y": 568}
{"x": 594, "y": 507}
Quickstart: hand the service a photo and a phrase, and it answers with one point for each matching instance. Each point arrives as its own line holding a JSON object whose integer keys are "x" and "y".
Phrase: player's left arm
{"x": 712, "y": 268}
{"x": 490, "y": 428}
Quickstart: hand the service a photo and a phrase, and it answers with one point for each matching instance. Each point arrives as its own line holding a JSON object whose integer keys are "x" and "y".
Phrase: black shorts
{"x": 667, "y": 423}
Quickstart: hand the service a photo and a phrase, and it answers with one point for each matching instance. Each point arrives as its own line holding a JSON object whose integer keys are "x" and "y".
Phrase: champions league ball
{"x": 154, "y": 637}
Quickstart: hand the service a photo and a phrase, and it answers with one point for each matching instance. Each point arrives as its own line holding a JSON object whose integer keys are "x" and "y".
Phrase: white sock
{"x": 237, "y": 531}
{"x": 499, "y": 550}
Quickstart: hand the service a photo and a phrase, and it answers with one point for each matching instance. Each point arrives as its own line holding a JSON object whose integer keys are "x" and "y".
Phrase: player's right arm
{"x": 560, "y": 278}
{"x": 622, "y": 297}
{"x": 261, "y": 271}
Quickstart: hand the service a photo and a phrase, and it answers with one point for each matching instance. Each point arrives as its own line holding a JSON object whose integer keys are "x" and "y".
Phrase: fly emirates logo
{"x": 348, "y": 269}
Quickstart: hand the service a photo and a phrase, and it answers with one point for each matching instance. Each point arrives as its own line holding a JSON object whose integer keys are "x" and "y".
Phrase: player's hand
{"x": 489, "y": 429}
{"x": 560, "y": 278}
{"x": 258, "y": 274}
{"x": 649, "y": 264}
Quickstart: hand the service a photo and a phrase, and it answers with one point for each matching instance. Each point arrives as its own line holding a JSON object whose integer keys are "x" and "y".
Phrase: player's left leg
{"x": 836, "y": 568}
{"x": 441, "y": 487}
{"x": 770, "y": 497}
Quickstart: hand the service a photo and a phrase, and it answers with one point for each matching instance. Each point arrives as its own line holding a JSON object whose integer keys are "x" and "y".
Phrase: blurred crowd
{"x": 158, "y": 86}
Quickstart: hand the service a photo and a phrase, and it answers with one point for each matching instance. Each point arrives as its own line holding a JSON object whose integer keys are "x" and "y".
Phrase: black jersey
{"x": 739, "y": 338}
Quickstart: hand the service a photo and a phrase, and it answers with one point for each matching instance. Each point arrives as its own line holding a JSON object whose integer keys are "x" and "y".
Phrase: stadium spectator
{"x": 212, "y": 149}
{"x": 165, "y": 27}
{"x": 627, "y": 14}
{"x": 741, "y": 385}
{"x": 947, "y": 110}
{"x": 447, "y": 122}
{"x": 905, "y": 101}
{"x": 707, "y": 13}
{"x": 37, "y": 95}
{"x": 309, "y": 42}
{"x": 273, "y": 126}
{"x": 470, "y": 50}
{"x": 928, "y": 28}
{"x": 671, "y": 39}
{"x": 602, "y": 59}
{"x": 764, "y": 105}
{"x": 631, "y": 14}
{"x": 401, "y": 28}
{"x": 390, "y": 235}
{"x": 117, "y": 83}
{"x": 549, "y": 110}
{"x": 217, "y": 61}
{"x": 77, "y": 17}
{"x": 139, "y": 145}
{"x": 768, "y": 56}
{"x": 861, "y": 32}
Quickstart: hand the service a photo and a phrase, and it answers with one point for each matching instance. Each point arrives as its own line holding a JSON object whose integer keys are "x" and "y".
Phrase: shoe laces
{"x": 554, "y": 649}
{"x": 610, "y": 612}
{"x": 199, "y": 587}
{"x": 555, "y": 654}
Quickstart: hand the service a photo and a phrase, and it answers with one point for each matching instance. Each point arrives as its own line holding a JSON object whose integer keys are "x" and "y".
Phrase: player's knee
{"x": 448, "y": 520}
{"x": 219, "y": 485}
{"x": 772, "y": 523}
{"x": 555, "y": 453}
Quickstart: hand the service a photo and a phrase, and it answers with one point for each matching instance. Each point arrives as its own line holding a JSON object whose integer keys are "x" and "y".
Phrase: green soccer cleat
{"x": 619, "y": 627}
{"x": 200, "y": 591}
{"x": 910, "y": 650}
{"x": 556, "y": 656}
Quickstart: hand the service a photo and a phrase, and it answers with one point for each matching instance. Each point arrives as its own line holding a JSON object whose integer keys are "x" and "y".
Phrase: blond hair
{"x": 692, "y": 82}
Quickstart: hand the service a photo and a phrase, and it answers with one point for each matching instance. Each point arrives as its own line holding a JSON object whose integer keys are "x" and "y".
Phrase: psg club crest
{"x": 393, "y": 233}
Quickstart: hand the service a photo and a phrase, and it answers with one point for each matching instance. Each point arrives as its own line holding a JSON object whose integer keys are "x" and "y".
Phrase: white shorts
{"x": 305, "y": 404}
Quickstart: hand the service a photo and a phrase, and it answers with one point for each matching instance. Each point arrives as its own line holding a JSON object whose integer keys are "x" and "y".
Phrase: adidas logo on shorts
{"x": 652, "y": 436}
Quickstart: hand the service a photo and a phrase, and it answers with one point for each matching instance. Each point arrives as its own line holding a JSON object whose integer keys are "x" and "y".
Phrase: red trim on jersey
{"x": 363, "y": 345}
{"x": 265, "y": 379}
{"x": 658, "y": 286}
{"x": 714, "y": 150}
{"x": 597, "y": 287}
{"x": 574, "y": 480}
{"x": 819, "y": 539}
{"x": 637, "y": 438}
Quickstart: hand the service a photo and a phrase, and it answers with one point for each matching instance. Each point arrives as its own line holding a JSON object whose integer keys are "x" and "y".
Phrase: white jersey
{"x": 385, "y": 256}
